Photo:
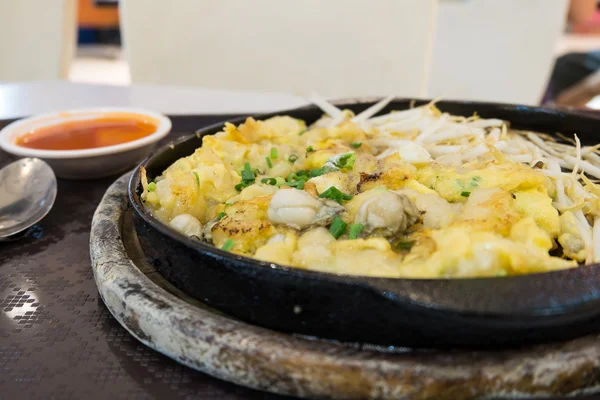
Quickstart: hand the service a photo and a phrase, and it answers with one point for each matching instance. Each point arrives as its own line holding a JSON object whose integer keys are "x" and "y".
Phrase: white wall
{"x": 336, "y": 47}
{"x": 37, "y": 38}
{"x": 496, "y": 50}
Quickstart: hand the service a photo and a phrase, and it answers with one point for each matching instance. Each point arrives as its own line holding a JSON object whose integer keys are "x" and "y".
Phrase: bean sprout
{"x": 453, "y": 140}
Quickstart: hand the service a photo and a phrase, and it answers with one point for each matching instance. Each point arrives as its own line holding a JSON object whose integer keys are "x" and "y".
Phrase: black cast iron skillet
{"x": 429, "y": 313}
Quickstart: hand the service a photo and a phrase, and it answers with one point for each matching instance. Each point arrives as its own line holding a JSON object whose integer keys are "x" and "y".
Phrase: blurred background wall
{"x": 37, "y": 39}
{"x": 496, "y": 50}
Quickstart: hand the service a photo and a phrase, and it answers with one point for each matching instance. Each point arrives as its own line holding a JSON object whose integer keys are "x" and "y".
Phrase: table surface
{"x": 57, "y": 339}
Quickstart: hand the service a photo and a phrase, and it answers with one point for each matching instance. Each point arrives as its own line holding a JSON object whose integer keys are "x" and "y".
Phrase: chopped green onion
{"x": 220, "y": 216}
{"x": 228, "y": 245}
{"x": 301, "y": 132}
{"x": 269, "y": 163}
{"x": 279, "y": 181}
{"x": 309, "y": 149}
{"x": 465, "y": 194}
{"x": 197, "y": 178}
{"x": 338, "y": 227}
{"x": 315, "y": 172}
{"x": 151, "y": 187}
{"x": 297, "y": 179}
{"x": 270, "y": 181}
{"x": 248, "y": 178}
{"x": 322, "y": 171}
{"x": 405, "y": 245}
{"x": 247, "y": 173}
{"x": 299, "y": 175}
{"x": 297, "y": 184}
{"x": 273, "y": 153}
{"x": 293, "y": 158}
{"x": 345, "y": 160}
{"x": 356, "y": 145}
{"x": 355, "y": 229}
{"x": 334, "y": 193}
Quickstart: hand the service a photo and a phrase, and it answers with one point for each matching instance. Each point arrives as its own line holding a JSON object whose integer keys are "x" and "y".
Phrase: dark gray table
{"x": 57, "y": 339}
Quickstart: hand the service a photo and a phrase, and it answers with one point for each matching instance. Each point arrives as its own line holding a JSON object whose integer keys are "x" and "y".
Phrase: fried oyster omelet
{"x": 393, "y": 197}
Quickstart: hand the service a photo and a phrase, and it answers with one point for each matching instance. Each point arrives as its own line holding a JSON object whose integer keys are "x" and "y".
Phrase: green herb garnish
{"x": 151, "y": 187}
{"x": 356, "y": 145}
{"x": 309, "y": 149}
{"x": 273, "y": 153}
{"x": 299, "y": 176}
{"x": 197, "y": 178}
{"x": 295, "y": 179}
{"x": 297, "y": 184}
{"x": 248, "y": 178}
{"x": 301, "y": 132}
{"x": 465, "y": 194}
{"x": 220, "y": 216}
{"x": 269, "y": 181}
{"x": 338, "y": 227}
{"x": 293, "y": 158}
{"x": 405, "y": 245}
{"x": 248, "y": 173}
{"x": 228, "y": 245}
{"x": 269, "y": 163}
{"x": 322, "y": 171}
{"x": 345, "y": 160}
{"x": 354, "y": 231}
{"x": 334, "y": 193}
{"x": 316, "y": 172}
{"x": 303, "y": 174}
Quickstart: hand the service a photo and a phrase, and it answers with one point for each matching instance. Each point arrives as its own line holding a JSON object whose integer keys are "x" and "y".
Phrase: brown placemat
{"x": 57, "y": 339}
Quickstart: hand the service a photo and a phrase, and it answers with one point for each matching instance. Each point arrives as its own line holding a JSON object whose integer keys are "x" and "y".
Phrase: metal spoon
{"x": 27, "y": 193}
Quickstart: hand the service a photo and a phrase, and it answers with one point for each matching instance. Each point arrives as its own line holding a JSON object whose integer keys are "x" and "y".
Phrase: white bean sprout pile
{"x": 425, "y": 133}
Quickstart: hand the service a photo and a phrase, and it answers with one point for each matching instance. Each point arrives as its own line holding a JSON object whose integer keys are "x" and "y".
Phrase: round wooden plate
{"x": 165, "y": 319}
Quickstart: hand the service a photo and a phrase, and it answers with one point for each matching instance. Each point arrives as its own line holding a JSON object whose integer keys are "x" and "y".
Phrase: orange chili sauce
{"x": 108, "y": 130}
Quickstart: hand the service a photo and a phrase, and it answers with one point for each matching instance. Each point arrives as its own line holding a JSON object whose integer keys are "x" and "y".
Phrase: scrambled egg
{"x": 330, "y": 199}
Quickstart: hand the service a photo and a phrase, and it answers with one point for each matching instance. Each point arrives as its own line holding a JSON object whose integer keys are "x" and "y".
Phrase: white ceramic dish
{"x": 88, "y": 163}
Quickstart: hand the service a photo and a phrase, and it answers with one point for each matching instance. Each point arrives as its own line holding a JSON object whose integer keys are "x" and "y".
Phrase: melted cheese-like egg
{"x": 347, "y": 201}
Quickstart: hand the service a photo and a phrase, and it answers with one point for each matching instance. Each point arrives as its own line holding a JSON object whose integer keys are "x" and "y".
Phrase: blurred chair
{"x": 37, "y": 39}
{"x": 581, "y": 93}
{"x": 495, "y": 50}
{"x": 336, "y": 47}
